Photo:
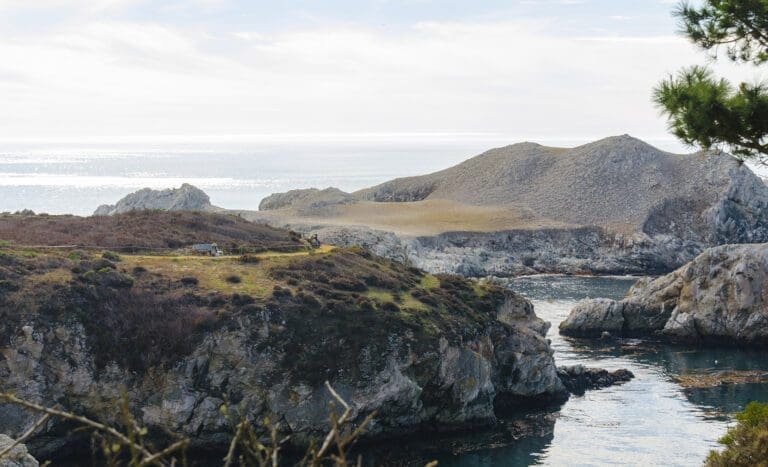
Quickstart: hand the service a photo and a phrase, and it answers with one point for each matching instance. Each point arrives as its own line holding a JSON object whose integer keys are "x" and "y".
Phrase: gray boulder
{"x": 718, "y": 297}
{"x": 578, "y": 379}
{"x": 184, "y": 198}
{"x": 590, "y": 318}
{"x": 16, "y": 457}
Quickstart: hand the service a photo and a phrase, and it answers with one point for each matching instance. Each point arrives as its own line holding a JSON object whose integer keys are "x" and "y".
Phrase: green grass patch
{"x": 429, "y": 282}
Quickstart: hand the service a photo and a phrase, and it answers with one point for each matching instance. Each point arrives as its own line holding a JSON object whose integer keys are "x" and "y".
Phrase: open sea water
{"x": 77, "y": 178}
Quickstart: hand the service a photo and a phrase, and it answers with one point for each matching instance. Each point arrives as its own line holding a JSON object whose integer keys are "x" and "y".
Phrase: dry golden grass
{"x": 212, "y": 272}
{"x": 429, "y": 282}
{"x": 429, "y": 217}
{"x": 406, "y": 300}
{"x": 57, "y": 276}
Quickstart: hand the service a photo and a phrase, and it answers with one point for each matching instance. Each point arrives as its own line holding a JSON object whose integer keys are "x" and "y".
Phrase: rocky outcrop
{"x": 531, "y": 251}
{"x": 720, "y": 297}
{"x": 17, "y": 456}
{"x": 517, "y": 252}
{"x": 451, "y": 384}
{"x": 385, "y": 244}
{"x": 308, "y": 202}
{"x": 184, "y": 198}
{"x": 445, "y": 355}
{"x": 578, "y": 379}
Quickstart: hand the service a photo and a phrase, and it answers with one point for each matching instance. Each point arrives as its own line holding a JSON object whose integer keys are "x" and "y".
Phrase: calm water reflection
{"x": 649, "y": 421}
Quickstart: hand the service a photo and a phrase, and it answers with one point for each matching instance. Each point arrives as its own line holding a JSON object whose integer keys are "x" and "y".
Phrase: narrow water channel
{"x": 652, "y": 420}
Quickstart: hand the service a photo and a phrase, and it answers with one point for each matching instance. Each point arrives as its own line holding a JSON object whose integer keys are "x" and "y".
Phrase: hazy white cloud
{"x": 101, "y": 78}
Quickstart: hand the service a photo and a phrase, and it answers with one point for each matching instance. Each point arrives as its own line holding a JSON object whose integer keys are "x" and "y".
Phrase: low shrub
{"x": 103, "y": 264}
{"x": 242, "y": 299}
{"x": 107, "y": 277}
{"x": 76, "y": 255}
{"x": 348, "y": 283}
{"x": 139, "y": 330}
{"x": 746, "y": 444}
{"x": 111, "y": 256}
{"x": 389, "y": 306}
{"x": 233, "y": 279}
{"x": 250, "y": 259}
{"x": 189, "y": 281}
{"x": 278, "y": 292}
{"x": 308, "y": 300}
{"x": 365, "y": 304}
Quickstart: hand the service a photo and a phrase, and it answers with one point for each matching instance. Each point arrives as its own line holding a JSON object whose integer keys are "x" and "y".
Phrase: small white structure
{"x": 210, "y": 249}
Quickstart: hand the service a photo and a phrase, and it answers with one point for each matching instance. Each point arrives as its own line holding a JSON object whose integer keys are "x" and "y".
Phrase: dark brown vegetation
{"x": 351, "y": 300}
{"x": 323, "y": 309}
{"x": 135, "y": 321}
{"x": 146, "y": 230}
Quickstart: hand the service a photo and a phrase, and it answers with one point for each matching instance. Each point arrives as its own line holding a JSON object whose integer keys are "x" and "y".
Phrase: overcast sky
{"x": 146, "y": 69}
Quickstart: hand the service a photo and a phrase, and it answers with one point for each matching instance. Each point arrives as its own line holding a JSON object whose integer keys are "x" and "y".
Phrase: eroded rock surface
{"x": 719, "y": 297}
{"x": 18, "y": 456}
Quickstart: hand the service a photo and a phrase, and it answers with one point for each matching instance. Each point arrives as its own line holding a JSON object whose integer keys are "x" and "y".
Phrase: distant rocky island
{"x": 615, "y": 206}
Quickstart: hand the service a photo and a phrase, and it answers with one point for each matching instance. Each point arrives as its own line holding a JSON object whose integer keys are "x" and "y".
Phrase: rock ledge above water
{"x": 720, "y": 297}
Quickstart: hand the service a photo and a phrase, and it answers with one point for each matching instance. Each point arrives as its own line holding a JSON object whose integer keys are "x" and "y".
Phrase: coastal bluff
{"x": 182, "y": 335}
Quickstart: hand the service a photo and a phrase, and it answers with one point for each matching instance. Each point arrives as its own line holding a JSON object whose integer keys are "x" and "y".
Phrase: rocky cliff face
{"x": 518, "y": 252}
{"x": 184, "y": 198}
{"x": 423, "y": 352}
{"x": 719, "y": 297}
